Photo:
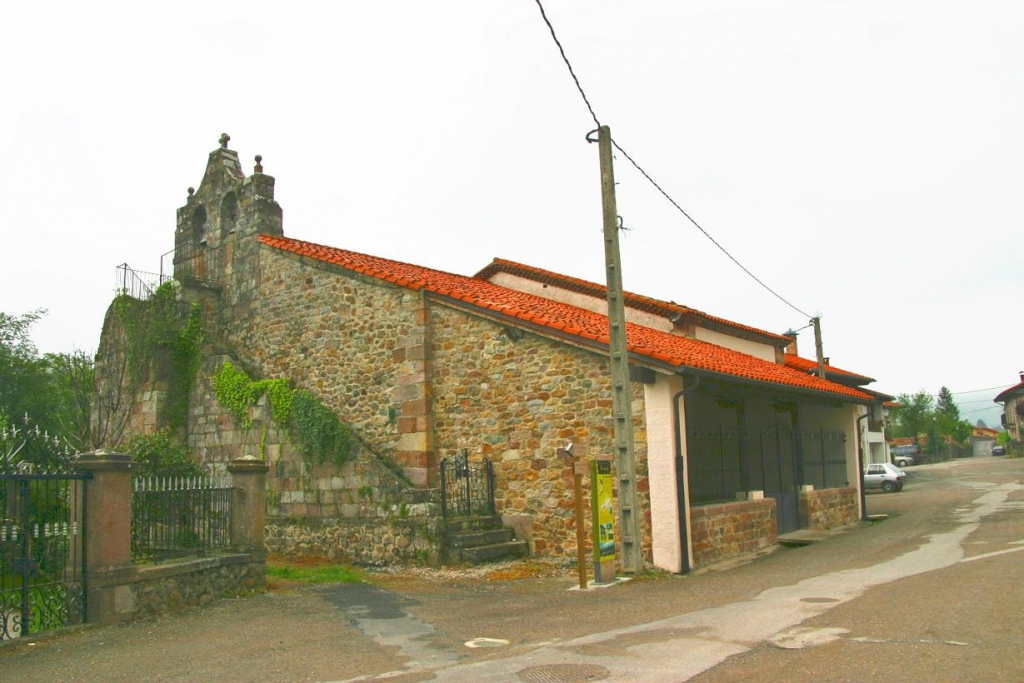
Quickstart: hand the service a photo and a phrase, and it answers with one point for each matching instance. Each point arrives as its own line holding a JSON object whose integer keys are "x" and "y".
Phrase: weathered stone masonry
{"x": 515, "y": 398}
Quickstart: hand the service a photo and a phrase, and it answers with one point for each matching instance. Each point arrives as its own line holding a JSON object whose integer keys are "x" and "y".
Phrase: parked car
{"x": 885, "y": 476}
{"x": 905, "y": 455}
{"x": 999, "y": 450}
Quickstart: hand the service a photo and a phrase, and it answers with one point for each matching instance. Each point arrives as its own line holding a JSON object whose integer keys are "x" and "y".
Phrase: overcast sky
{"x": 864, "y": 159}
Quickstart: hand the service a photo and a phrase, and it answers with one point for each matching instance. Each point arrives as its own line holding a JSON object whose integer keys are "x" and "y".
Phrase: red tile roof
{"x": 807, "y": 365}
{"x": 1007, "y": 393}
{"x": 677, "y": 351}
{"x": 667, "y": 309}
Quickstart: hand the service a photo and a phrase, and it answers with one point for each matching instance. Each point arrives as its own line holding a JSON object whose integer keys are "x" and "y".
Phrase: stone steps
{"x": 474, "y": 540}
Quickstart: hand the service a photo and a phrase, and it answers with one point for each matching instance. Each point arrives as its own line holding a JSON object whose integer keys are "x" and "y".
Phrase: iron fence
{"x": 136, "y": 283}
{"x": 467, "y": 488}
{"x": 723, "y": 463}
{"x": 176, "y": 516}
{"x": 42, "y": 505}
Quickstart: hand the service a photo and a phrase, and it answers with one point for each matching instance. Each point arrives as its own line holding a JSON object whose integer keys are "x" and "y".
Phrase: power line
{"x": 698, "y": 226}
{"x": 973, "y": 391}
{"x": 565, "y": 59}
{"x": 646, "y": 175}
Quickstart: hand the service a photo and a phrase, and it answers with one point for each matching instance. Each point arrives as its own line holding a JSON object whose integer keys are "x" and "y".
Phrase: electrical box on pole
{"x": 622, "y": 400}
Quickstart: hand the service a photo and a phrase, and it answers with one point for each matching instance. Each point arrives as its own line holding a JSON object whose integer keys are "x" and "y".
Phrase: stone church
{"x": 737, "y": 440}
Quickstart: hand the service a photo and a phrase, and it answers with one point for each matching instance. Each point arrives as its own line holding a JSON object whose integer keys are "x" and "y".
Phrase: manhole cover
{"x": 563, "y": 673}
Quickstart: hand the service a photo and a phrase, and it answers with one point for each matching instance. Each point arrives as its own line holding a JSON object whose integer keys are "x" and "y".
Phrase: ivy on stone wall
{"x": 319, "y": 434}
{"x": 164, "y": 335}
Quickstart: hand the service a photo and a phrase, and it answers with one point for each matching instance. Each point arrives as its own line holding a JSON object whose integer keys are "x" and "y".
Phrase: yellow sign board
{"x": 602, "y": 510}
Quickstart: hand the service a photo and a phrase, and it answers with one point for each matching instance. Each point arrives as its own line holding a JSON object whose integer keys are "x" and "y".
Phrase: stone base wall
{"x": 828, "y": 508}
{"x": 147, "y": 590}
{"x": 727, "y": 530}
{"x": 360, "y": 541}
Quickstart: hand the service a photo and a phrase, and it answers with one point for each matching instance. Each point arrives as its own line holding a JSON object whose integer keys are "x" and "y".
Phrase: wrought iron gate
{"x": 467, "y": 488}
{"x": 42, "y": 508}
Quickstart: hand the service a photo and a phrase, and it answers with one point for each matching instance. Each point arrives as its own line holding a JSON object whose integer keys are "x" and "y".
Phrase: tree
{"x": 947, "y": 417}
{"x": 74, "y": 388}
{"x": 981, "y": 424}
{"x": 27, "y": 385}
{"x": 913, "y": 414}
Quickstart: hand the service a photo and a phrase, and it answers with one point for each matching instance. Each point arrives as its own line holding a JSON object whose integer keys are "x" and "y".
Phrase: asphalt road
{"x": 932, "y": 593}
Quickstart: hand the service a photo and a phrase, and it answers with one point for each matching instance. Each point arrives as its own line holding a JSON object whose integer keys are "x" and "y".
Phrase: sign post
{"x": 603, "y": 520}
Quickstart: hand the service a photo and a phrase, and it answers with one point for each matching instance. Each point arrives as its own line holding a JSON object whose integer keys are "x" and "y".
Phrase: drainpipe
{"x": 860, "y": 470}
{"x": 684, "y": 511}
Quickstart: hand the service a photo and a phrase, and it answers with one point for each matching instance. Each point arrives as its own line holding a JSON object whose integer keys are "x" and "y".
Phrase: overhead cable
{"x": 646, "y": 175}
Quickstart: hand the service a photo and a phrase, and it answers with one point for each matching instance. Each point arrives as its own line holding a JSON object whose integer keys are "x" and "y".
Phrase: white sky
{"x": 864, "y": 159}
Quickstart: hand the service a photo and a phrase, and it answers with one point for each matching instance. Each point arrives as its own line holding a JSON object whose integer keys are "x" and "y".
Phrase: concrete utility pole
{"x": 816, "y": 321}
{"x": 622, "y": 401}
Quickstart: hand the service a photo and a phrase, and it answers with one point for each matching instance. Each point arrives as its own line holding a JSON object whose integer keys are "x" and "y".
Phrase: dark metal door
{"x": 781, "y": 465}
{"x": 42, "y": 559}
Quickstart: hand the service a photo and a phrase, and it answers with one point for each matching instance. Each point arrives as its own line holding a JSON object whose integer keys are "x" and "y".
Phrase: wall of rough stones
{"x": 405, "y": 537}
{"x": 362, "y": 511}
{"x": 333, "y": 333}
{"x": 160, "y": 588}
{"x": 727, "y": 530}
{"x": 515, "y": 398}
{"x": 828, "y": 508}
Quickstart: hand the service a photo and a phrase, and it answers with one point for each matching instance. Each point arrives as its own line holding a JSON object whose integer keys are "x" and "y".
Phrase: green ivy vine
{"x": 319, "y": 434}
{"x": 162, "y": 333}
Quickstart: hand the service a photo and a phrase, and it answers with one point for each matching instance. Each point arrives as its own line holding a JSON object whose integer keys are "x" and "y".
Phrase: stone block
{"x": 415, "y": 441}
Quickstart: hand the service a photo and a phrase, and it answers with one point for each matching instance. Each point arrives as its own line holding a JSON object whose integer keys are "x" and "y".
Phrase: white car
{"x": 885, "y": 476}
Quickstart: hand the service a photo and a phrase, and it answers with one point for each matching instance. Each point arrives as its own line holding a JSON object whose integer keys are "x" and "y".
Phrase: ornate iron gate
{"x": 467, "y": 488}
{"x": 42, "y": 558}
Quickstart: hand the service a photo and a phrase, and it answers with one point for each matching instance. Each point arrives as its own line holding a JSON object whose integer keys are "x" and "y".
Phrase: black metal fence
{"x": 42, "y": 505}
{"x": 136, "y": 283}
{"x": 467, "y": 488}
{"x": 176, "y": 516}
{"x": 722, "y": 464}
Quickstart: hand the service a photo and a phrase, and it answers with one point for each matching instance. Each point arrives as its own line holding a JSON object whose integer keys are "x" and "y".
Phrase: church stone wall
{"x": 515, "y": 398}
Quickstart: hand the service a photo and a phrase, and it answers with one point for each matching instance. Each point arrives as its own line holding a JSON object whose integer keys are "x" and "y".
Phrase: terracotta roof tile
{"x": 807, "y": 365}
{"x": 667, "y": 309}
{"x": 678, "y": 351}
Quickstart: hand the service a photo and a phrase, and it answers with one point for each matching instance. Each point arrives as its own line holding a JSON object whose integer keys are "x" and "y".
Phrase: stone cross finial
{"x": 224, "y": 137}
{"x": 259, "y": 164}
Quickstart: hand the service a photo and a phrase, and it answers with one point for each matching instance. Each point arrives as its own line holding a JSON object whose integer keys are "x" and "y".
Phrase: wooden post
{"x": 622, "y": 400}
{"x": 578, "y": 468}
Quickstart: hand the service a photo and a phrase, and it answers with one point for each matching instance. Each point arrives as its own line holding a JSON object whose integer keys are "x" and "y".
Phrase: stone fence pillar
{"x": 248, "y": 506}
{"x": 108, "y": 518}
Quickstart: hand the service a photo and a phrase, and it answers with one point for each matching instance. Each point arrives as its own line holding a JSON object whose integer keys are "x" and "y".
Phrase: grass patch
{"x": 311, "y": 571}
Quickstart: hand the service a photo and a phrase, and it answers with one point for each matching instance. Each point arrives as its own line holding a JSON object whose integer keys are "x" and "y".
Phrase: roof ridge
{"x": 505, "y": 265}
{"x": 674, "y": 350}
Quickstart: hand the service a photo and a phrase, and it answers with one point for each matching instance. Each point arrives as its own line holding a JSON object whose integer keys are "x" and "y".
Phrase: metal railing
{"x": 175, "y": 516}
{"x": 136, "y": 283}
